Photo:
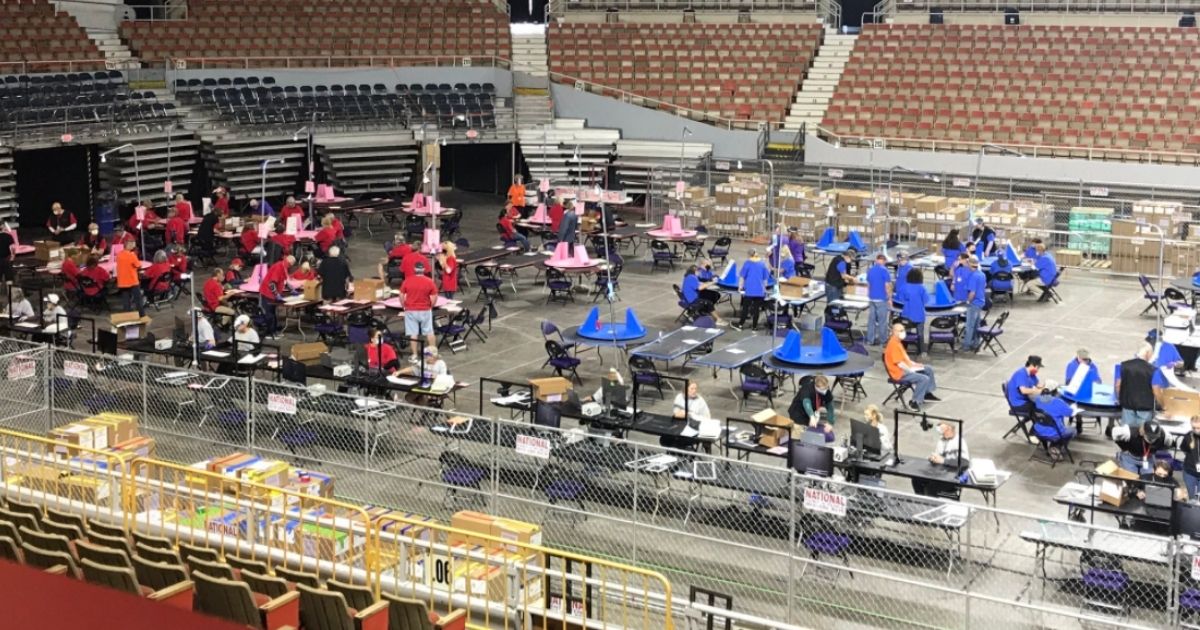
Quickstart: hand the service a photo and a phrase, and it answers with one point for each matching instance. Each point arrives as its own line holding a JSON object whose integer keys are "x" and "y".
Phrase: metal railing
{"x": 156, "y": 12}
{"x": 60, "y": 65}
{"x": 1047, "y": 6}
{"x": 336, "y": 61}
{"x": 564, "y": 7}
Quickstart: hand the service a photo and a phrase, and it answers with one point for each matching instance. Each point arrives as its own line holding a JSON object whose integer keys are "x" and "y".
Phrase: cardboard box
{"x": 518, "y": 532}
{"x": 122, "y": 427}
{"x": 474, "y": 522}
{"x": 794, "y": 287}
{"x": 47, "y": 251}
{"x": 1112, "y": 491}
{"x": 369, "y": 290}
{"x": 130, "y": 325}
{"x": 77, "y": 435}
{"x": 309, "y": 353}
{"x": 113, "y": 430}
{"x": 774, "y": 428}
{"x": 1179, "y": 404}
{"x": 550, "y": 389}
{"x": 930, "y": 203}
{"x": 312, "y": 290}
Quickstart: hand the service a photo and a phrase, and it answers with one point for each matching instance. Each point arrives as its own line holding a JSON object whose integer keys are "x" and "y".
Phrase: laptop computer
{"x": 1159, "y": 496}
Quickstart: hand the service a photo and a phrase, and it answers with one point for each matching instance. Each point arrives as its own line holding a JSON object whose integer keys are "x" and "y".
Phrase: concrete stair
{"x": 116, "y": 54}
{"x": 817, "y": 90}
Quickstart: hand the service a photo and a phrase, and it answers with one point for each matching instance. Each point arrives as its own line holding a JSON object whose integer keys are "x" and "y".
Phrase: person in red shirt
{"x": 70, "y": 274}
{"x": 512, "y": 212}
{"x": 283, "y": 239}
{"x": 291, "y": 209}
{"x": 98, "y": 276}
{"x": 555, "y": 212}
{"x": 177, "y": 258}
{"x": 184, "y": 208}
{"x": 233, "y": 275}
{"x": 339, "y": 230}
{"x": 176, "y": 228}
{"x": 327, "y": 235}
{"x": 214, "y": 293}
{"x": 249, "y": 240}
{"x": 271, "y": 290}
{"x": 157, "y": 277}
{"x": 448, "y": 269}
{"x": 400, "y": 248}
{"x": 304, "y": 272}
{"x": 92, "y": 240}
{"x": 61, "y": 224}
{"x": 507, "y": 232}
{"x": 410, "y": 262}
{"x": 221, "y": 203}
{"x": 419, "y": 294}
{"x": 381, "y": 354}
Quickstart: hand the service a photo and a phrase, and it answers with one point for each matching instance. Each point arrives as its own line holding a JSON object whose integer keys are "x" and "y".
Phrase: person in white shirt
{"x": 434, "y": 365}
{"x": 874, "y": 417}
{"x": 206, "y": 339}
{"x": 52, "y": 313}
{"x": 947, "y": 447}
{"x": 245, "y": 335}
{"x": 20, "y": 310}
{"x": 613, "y": 375}
{"x": 697, "y": 409}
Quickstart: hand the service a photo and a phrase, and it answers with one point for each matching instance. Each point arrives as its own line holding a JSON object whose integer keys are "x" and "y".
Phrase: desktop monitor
{"x": 106, "y": 342}
{"x": 1185, "y": 520}
{"x": 814, "y": 460}
{"x": 865, "y": 438}
{"x": 294, "y": 372}
{"x": 615, "y": 396}
{"x": 179, "y": 332}
{"x": 547, "y": 415}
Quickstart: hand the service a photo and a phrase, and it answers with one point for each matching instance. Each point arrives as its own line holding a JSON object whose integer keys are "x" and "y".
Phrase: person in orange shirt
{"x": 902, "y": 369}
{"x": 516, "y": 193}
{"x": 128, "y": 283}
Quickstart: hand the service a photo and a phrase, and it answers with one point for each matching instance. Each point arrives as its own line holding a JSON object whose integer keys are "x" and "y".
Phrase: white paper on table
{"x": 710, "y": 428}
{"x": 735, "y": 351}
{"x": 712, "y": 331}
{"x": 215, "y": 354}
{"x": 688, "y": 328}
{"x": 688, "y": 432}
{"x": 690, "y": 341}
{"x": 251, "y": 358}
{"x": 1081, "y": 373}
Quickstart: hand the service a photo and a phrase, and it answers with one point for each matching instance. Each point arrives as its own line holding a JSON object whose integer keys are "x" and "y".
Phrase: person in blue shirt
{"x": 1023, "y": 385}
{"x": 699, "y": 295}
{"x": 1058, "y": 433}
{"x": 902, "y": 269}
{"x": 752, "y": 284}
{"x": 879, "y": 292}
{"x": 959, "y": 273}
{"x": 1083, "y": 359}
{"x": 952, "y": 246}
{"x": 985, "y": 239}
{"x": 1000, "y": 265}
{"x": 1031, "y": 248}
{"x": 914, "y": 305}
{"x": 1047, "y": 269}
{"x": 795, "y": 245}
{"x": 704, "y": 271}
{"x": 976, "y": 298}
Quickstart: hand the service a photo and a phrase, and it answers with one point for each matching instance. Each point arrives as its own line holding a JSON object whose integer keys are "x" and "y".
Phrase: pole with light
{"x": 683, "y": 134}
{"x": 308, "y": 130}
{"x": 262, "y": 208}
{"x": 979, "y": 169}
{"x": 137, "y": 183}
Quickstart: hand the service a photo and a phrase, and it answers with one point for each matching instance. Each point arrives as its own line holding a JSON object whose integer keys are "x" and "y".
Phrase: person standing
{"x": 976, "y": 283}
{"x": 752, "y": 284}
{"x": 516, "y": 193}
{"x": 8, "y": 251}
{"x": 568, "y": 228}
{"x": 418, "y": 293}
{"x": 1190, "y": 445}
{"x": 447, "y": 262}
{"x": 914, "y": 297}
{"x": 879, "y": 292}
{"x": 334, "y": 272}
{"x": 837, "y": 276}
{"x": 271, "y": 290}
{"x": 61, "y": 224}
{"x": 1135, "y": 388}
{"x": 128, "y": 283}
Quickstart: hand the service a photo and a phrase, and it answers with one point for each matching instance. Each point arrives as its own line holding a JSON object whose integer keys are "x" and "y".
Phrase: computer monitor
{"x": 865, "y": 437}
{"x": 547, "y": 415}
{"x": 106, "y": 342}
{"x": 179, "y": 332}
{"x": 1185, "y": 520}
{"x": 808, "y": 459}
{"x": 615, "y": 396}
{"x": 294, "y": 372}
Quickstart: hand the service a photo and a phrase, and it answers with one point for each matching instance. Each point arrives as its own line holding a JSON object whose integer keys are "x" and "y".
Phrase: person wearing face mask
{"x": 948, "y": 452}
{"x": 92, "y": 240}
{"x": 61, "y": 224}
{"x": 1190, "y": 445}
{"x": 1023, "y": 385}
{"x": 1137, "y": 445}
{"x": 814, "y": 394}
{"x": 1059, "y": 411}
{"x": 1135, "y": 388}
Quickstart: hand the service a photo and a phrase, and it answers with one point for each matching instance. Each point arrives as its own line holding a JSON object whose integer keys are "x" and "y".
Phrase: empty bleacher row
{"x": 252, "y": 101}
{"x": 83, "y": 98}
{"x": 746, "y": 72}
{"x": 32, "y": 31}
{"x": 1119, "y": 90}
{"x": 374, "y": 28}
{"x": 1092, "y": 6}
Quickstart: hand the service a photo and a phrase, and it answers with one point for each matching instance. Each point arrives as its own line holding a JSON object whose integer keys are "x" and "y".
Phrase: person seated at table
{"x": 505, "y": 223}
{"x": 1024, "y": 385}
{"x": 1046, "y": 268}
{"x": 339, "y": 228}
{"x": 903, "y": 267}
{"x": 814, "y": 394}
{"x": 1190, "y": 445}
{"x": 1000, "y": 265}
{"x": 53, "y": 312}
{"x": 233, "y": 275}
{"x": 176, "y": 228}
{"x": 414, "y": 257}
{"x": 902, "y": 369}
{"x": 157, "y": 277}
{"x": 20, "y": 309}
{"x": 248, "y": 243}
{"x": 1137, "y": 445}
{"x": 874, "y": 417}
{"x": 183, "y": 208}
{"x": 245, "y": 336}
{"x": 326, "y": 236}
{"x": 291, "y": 209}
{"x": 381, "y": 355}
{"x": 952, "y": 247}
{"x": 61, "y": 224}
{"x": 97, "y": 274}
{"x": 400, "y": 248}
{"x": 914, "y": 305}
{"x": 447, "y": 269}
{"x": 946, "y": 452}
{"x": 984, "y": 238}
{"x": 284, "y": 240}
{"x": 704, "y": 271}
{"x": 434, "y": 366}
{"x": 752, "y": 284}
{"x": 555, "y": 212}
{"x": 1163, "y": 473}
{"x": 214, "y": 294}
{"x": 93, "y": 241}
{"x": 206, "y": 337}
{"x": 614, "y": 377}
{"x": 1060, "y": 412}
{"x": 304, "y": 272}
{"x": 697, "y": 408}
{"x": 261, "y": 209}
{"x": 220, "y": 206}
{"x": 178, "y": 260}
{"x": 1031, "y": 248}
{"x": 699, "y": 295}
{"x": 70, "y": 276}
{"x": 335, "y": 275}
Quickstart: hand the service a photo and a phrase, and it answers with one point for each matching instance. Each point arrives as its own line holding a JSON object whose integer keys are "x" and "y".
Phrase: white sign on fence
{"x": 821, "y": 501}
{"x": 961, "y": 182}
{"x": 281, "y": 403}
{"x": 21, "y": 368}
{"x": 837, "y": 173}
{"x": 1098, "y": 191}
{"x": 1196, "y": 567}
{"x": 721, "y": 166}
{"x": 75, "y": 369}
{"x": 533, "y": 446}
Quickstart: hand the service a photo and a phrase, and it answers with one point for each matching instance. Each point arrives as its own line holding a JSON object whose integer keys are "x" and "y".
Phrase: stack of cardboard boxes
{"x": 697, "y": 207}
{"x": 498, "y": 571}
{"x": 801, "y": 207}
{"x": 92, "y": 445}
{"x": 1136, "y": 243}
{"x": 741, "y": 207}
{"x": 852, "y": 209}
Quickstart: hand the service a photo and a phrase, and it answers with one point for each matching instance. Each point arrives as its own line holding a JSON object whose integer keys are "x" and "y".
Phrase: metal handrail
{"x": 335, "y": 61}
{"x": 1030, "y": 150}
{"x": 6, "y": 66}
{"x": 561, "y": 7}
{"x": 165, "y": 12}
{"x": 1031, "y": 6}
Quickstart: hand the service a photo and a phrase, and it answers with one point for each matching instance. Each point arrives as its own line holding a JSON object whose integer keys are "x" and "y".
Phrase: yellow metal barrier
{"x": 250, "y": 520}
{"x": 62, "y": 476}
{"x": 499, "y": 579}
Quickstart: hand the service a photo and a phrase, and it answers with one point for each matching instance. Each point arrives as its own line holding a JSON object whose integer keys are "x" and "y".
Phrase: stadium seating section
{"x": 255, "y": 101}
{"x": 312, "y": 28}
{"x": 33, "y": 31}
{"x": 28, "y": 102}
{"x": 731, "y": 71}
{"x": 1082, "y": 88}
